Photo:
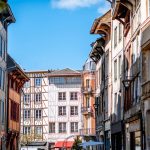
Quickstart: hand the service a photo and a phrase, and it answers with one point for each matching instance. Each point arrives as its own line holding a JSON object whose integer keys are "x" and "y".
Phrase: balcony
{"x": 86, "y": 110}
{"x": 146, "y": 90}
{"x": 87, "y": 90}
{"x": 87, "y": 132}
{"x": 121, "y": 7}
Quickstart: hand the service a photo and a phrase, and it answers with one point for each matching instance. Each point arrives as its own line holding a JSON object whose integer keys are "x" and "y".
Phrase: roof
{"x": 6, "y": 12}
{"x": 65, "y": 72}
{"x": 106, "y": 18}
{"x": 13, "y": 66}
{"x": 97, "y": 49}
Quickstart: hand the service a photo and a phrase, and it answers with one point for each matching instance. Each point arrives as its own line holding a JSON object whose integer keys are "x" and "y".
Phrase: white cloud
{"x": 104, "y": 8}
{"x": 73, "y": 4}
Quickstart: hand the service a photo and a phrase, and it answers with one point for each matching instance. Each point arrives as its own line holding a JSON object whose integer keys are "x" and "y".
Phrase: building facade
{"x": 34, "y": 111}
{"x": 101, "y": 55}
{"x": 64, "y": 103}
{"x": 133, "y": 122}
{"x": 16, "y": 80}
{"x": 117, "y": 97}
{"x": 145, "y": 51}
{"x": 88, "y": 100}
{"x": 6, "y": 18}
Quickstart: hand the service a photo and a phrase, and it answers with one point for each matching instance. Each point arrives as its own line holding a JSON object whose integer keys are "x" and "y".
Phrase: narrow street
{"x": 75, "y": 75}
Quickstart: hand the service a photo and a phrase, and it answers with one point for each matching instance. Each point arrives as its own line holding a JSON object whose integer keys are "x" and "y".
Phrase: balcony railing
{"x": 146, "y": 90}
{"x": 87, "y": 90}
{"x": 87, "y": 131}
{"x": 86, "y": 110}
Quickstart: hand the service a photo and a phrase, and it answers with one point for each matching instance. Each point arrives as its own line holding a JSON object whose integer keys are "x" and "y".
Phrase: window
{"x": 2, "y": 48}
{"x": 107, "y": 63}
{"x": 74, "y": 127}
{"x": 66, "y": 80}
{"x": 115, "y": 70}
{"x": 87, "y": 83}
{"x": 115, "y": 103}
{"x": 38, "y": 131}
{"x": 120, "y": 32}
{"x": 37, "y": 81}
{"x": 73, "y": 110}
{"x": 26, "y": 98}
{"x": 115, "y": 37}
{"x": 2, "y": 78}
{"x": 27, "y": 114}
{"x": 38, "y": 97}
{"x": 62, "y": 96}
{"x": 38, "y": 114}
{"x": 88, "y": 102}
{"x": 119, "y": 67}
{"x": 27, "y": 84}
{"x": 26, "y": 130}
{"x": 2, "y": 111}
{"x": 14, "y": 111}
{"x": 73, "y": 96}
{"x": 62, "y": 110}
{"x": 62, "y": 127}
{"x": 52, "y": 127}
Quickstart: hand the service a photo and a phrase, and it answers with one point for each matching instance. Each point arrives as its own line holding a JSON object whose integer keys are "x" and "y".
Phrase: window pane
{"x": 37, "y": 81}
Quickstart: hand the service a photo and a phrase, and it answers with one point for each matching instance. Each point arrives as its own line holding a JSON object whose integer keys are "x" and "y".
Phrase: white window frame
{"x": 38, "y": 131}
{"x": 73, "y": 110}
{"x": 26, "y": 98}
{"x": 52, "y": 127}
{"x": 38, "y": 81}
{"x": 73, "y": 127}
{"x": 61, "y": 96}
{"x": 26, "y": 130}
{"x": 73, "y": 95}
{"x": 38, "y": 114}
{"x": 62, "y": 127}
{"x": 62, "y": 110}
{"x": 38, "y": 97}
{"x": 26, "y": 114}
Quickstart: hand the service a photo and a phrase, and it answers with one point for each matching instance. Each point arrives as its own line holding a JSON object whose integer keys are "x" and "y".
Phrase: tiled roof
{"x": 65, "y": 72}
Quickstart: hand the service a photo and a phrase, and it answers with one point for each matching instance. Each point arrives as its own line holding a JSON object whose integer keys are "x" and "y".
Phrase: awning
{"x": 66, "y": 144}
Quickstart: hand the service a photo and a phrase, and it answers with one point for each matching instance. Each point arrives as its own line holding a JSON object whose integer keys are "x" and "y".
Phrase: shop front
{"x": 117, "y": 136}
{"x": 133, "y": 134}
{"x": 100, "y": 137}
{"x": 107, "y": 135}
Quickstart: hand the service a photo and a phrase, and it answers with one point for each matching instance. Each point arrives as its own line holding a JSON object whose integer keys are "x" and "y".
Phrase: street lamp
{"x": 95, "y": 106}
{"x": 127, "y": 83}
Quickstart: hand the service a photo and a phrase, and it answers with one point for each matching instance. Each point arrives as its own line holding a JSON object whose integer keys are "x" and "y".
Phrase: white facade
{"x": 56, "y": 116}
{"x": 117, "y": 65}
{"x": 34, "y": 108}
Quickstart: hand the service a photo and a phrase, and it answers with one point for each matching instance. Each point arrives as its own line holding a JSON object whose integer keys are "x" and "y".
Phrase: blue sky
{"x": 52, "y": 34}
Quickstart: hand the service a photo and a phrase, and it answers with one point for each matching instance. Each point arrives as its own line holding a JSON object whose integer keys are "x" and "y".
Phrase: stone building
{"x": 88, "y": 100}
{"x": 64, "y": 104}
{"x": 6, "y": 18}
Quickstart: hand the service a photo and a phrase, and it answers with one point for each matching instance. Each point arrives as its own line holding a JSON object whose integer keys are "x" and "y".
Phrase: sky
{"x": 53, "y": 34}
